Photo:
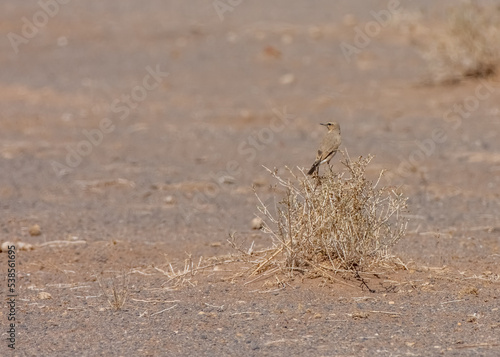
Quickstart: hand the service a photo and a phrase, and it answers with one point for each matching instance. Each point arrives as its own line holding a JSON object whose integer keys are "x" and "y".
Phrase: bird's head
{"x": 332, "y": 125}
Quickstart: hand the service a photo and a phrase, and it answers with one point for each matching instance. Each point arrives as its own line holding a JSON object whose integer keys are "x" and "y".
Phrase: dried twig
{"x": 159, "y": 312}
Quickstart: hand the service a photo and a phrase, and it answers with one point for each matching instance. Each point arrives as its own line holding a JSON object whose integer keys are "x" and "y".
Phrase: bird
{"x": 328, "y": 147}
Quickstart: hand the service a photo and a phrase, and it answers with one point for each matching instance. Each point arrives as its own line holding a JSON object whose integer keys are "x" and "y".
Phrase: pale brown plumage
{"x": 328, "y": 148}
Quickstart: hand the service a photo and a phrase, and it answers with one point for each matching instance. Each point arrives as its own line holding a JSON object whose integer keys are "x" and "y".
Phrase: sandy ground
{"x": 133, "y": 132}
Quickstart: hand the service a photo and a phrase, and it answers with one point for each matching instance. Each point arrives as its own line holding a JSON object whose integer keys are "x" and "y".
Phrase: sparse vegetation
{"x": 468, "y": 45}
{"x": 335, "y": 223}
{"x": 116, "y": 293}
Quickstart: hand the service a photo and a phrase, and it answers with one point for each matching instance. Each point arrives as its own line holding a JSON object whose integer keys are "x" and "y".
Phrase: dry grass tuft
{"x": 177, "y": 278}
{"x": 116, "y": 292}
{"x": 340, "y": 222}
{"x": 468, "y": 46}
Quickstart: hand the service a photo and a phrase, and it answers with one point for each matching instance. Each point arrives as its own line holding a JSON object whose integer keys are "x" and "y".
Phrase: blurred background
{"x": 150, "y": 121}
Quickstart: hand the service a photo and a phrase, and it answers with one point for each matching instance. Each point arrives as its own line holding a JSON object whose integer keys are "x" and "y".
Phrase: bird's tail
{"x": 313, "y": 167}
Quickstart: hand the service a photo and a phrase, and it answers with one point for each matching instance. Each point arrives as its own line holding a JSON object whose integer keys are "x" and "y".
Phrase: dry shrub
{"x": 116, "y": 292}
{"x": 468, "y": 46}
{"x": 336, "y": 222}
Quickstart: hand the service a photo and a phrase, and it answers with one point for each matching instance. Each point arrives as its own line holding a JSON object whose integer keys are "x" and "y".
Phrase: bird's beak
{"x": 323, "y": 124}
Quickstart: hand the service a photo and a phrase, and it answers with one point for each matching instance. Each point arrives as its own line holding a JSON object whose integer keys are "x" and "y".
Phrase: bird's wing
{"x": 329, "y": 145}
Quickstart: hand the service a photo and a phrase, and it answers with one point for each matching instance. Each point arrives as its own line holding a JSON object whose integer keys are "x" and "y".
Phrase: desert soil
{"x": 184, "y": 107}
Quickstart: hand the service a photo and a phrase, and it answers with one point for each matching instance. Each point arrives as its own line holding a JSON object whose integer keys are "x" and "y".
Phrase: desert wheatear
{"x": 328, "y": 148}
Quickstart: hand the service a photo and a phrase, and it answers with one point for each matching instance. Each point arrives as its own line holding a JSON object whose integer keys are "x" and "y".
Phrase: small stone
{"x": 288, "y": 78}
{"x": 24, "y": 246}
{"x": 472, "y": 319}
{"x": 19, "y": 246}
{"x": 6, "y": 245}
{"x": 272, "y": 52}
{"x": 257, "y": 223}
{"x": 43, "y": 295}
{"x": 169, "y": 200}
{"x": 245, "y": 113}
{"x": 35, "y": 230}
{"x": 226, "y": 179}
{"x": 360, "y": 315}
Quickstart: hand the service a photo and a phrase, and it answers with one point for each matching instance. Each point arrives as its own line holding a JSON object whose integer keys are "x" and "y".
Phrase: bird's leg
{"x": 318, "y": 178}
